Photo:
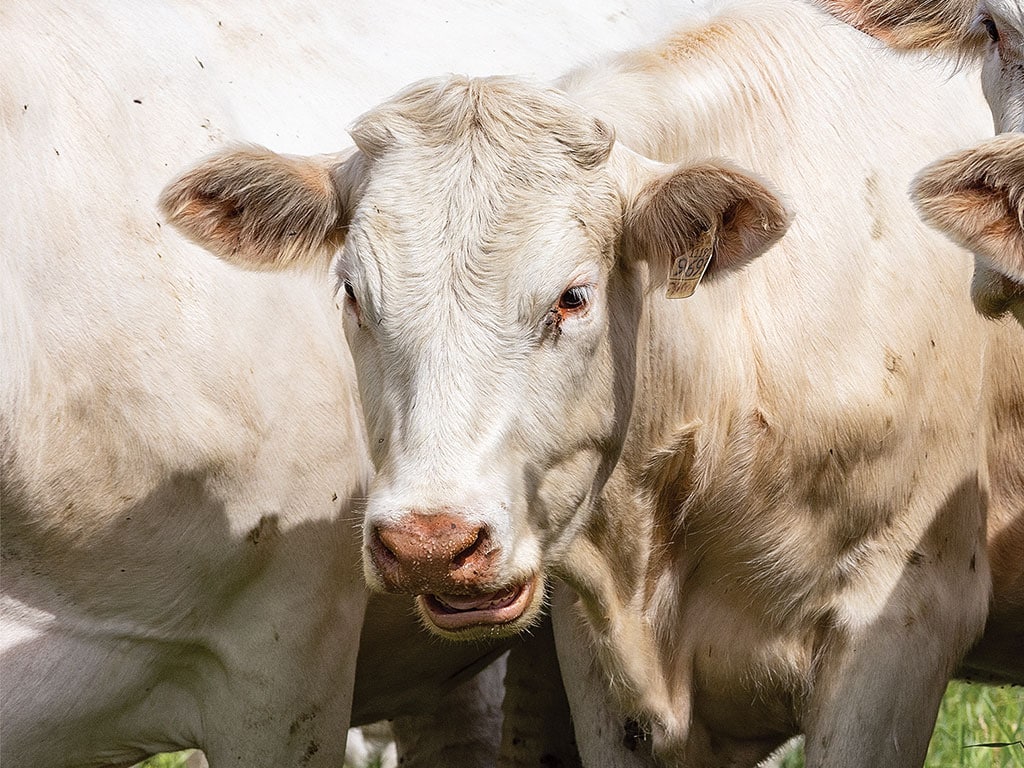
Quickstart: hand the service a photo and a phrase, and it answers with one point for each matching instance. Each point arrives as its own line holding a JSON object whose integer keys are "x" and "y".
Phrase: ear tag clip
{"x": 686, "y": 271}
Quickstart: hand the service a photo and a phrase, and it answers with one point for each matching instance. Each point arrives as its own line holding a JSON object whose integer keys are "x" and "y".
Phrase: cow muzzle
{"x": 452, "y": 566}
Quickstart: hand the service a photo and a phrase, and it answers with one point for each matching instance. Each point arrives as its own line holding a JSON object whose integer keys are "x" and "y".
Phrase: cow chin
{"x": 501, "y": 613}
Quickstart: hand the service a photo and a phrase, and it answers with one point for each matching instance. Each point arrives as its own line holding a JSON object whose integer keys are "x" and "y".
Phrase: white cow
{"x": 178, "y": 569}
{"x": 974, "y": 196}
{"x": 768, "y": 498}
{"x": 990, "y": 29}
{"x": 182, "y": 455}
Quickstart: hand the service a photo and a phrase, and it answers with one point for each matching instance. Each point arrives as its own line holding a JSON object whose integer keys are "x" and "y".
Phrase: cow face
{"x": 991, "y": 29}
{"x": 496, "y": 248}
{"x": 1003, "y": 76}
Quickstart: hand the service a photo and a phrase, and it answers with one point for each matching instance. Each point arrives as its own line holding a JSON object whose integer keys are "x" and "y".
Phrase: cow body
{"x": 178, "y": 564}
{"x": 768, "y": 499}
{"x": 975, "y": 197}
{"x": 181, "y": 561}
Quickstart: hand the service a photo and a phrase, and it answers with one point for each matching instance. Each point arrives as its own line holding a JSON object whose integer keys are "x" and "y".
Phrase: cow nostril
{"x": 381, "y": 552}
{"x": 476, "y": 547}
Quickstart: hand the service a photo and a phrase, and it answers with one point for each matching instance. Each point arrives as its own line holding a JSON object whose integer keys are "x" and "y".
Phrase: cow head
{"x": 990, "y": 29}
{"x": 495, "y": 250}
{"x": 977, "y": 198}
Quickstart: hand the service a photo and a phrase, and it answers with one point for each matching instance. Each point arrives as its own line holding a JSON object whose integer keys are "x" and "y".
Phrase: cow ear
{"x": 911, "y": 24}
{"x": 976, "y": 197}
{"x": 265, "y": 211}
{"x": 700, "y": 221}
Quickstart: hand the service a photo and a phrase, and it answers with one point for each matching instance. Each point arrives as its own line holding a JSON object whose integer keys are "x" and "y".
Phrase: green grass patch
{"x": 979, "y": 726}
{"x": 166, "y": 760}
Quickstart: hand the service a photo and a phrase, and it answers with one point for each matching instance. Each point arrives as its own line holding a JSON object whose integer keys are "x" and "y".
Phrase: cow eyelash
{"x": 574, "y": 301}
{"x": 351, "y": 302}
{"x": 990, "y": 28}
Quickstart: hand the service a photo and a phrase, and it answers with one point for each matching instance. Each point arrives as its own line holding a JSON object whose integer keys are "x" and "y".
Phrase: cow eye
{"x": 574, "y": 299}
{"x": 991, "y": 29}
{"x": 349, "y": 291}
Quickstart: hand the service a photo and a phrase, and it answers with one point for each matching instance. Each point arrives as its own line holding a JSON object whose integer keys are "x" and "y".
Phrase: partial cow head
{"x": 494, "y": 246}
{"x": 977, "y": 198}
{"x": 991, "y": 29}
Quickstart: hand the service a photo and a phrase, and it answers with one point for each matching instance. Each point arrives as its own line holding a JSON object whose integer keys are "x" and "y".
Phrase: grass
{"x": 979, "y": 726}
{"x": 973, "y": 721}
{"x": 166, "y": 760}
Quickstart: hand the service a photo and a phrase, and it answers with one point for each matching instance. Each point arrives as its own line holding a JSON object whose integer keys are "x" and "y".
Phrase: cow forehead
{"x": 494, "y": 112}
{"x": 474, "y": 176}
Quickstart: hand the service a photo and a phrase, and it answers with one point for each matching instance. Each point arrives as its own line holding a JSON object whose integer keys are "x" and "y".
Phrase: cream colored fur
{"x": 769, "y": 499}
{"x": 971, "y": 218}
{"x": 946, "y": 25}
{"x": 182, "y": 458}
{"x": 250, "y": 197}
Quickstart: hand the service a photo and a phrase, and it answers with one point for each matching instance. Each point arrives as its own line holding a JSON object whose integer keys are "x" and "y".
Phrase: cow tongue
{"x": 478, "y": 602}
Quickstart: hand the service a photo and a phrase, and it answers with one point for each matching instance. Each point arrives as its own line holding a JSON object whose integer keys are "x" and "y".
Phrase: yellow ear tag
{"x": 686, "y": 271}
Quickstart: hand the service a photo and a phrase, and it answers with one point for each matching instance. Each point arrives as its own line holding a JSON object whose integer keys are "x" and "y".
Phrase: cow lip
{"x": 456, "y": 612}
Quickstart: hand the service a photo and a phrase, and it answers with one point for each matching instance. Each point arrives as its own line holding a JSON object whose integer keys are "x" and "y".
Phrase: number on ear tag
{"x": 686, "y": 271}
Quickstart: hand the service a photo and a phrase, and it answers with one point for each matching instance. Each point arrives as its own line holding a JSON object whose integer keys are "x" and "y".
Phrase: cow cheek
{"x": 375, "y": 399}
{"x": 563, "y": 495}
{"x": 577, "y": 453}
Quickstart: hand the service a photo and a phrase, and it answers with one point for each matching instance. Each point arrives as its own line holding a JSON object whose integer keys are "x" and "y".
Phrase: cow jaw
{"x": 504, "y": 611}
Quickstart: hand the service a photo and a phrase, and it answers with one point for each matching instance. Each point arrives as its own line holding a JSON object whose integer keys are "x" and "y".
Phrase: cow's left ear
{"x": 976, "y": 197}
{"x": 265, "y": 211}
{"x": 700, "y": 221}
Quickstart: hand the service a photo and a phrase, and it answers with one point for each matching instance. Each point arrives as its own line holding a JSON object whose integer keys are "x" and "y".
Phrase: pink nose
{"x": 432, "y": 554}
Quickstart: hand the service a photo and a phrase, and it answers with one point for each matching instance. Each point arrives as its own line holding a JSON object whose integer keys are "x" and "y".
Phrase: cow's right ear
{"x": 692, "y": 222}
{"x": 908, "y": 25}
{"x": 976, "y": 197}
{"x": 265, "y": 211}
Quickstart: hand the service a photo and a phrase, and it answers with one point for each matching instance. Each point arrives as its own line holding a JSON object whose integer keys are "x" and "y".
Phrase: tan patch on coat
{"x": 695, "y": 43}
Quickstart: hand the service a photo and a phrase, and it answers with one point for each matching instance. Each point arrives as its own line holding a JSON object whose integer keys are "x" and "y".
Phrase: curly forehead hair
{"x": 502, "y": 111}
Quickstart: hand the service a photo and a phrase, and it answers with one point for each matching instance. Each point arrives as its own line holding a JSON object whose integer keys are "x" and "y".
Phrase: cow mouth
{"x": 458, "y": 612}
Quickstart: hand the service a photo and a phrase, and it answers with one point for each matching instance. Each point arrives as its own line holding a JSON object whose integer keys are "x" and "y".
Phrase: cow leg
{"x": 517, "y": 702}
{"x": 882, "y": 672}
{"x": 876, "y": 709}
{"x": 606, "y": 738}
{"x": 537, "y": 729}
{"x": 464, "y": 728}
{"x": 278, "y": 713}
